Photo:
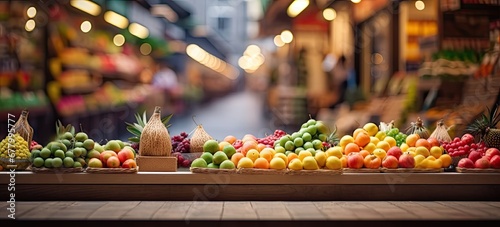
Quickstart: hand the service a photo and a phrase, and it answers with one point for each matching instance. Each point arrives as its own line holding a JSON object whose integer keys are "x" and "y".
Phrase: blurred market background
{"x": 246, "y": 66}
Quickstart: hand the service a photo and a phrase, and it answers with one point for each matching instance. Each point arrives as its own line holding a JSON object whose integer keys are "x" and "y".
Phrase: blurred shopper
{"x": 338, "y": 80}
{"x": 165, "y": 79}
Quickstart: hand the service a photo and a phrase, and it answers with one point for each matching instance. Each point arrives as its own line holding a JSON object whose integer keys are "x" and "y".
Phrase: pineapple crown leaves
{"x": 332, "y": 138}
{"x": 484, "y": 122}
{"x": 61, "y": 129}
{"x": 137, "y": 127}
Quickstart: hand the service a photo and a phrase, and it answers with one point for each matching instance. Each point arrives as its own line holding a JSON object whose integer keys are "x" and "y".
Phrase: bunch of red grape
{"x": 180, "y": 143}
{"x": 270, "y": 139}
{"x": 181, "y": 161}
{"x": 237, "y": 144}
{"x": 463, "y": 146}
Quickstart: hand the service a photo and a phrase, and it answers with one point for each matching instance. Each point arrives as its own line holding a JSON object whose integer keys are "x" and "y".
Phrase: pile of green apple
{"x": 67, "y": 151}
{"x": 312, "y": 136}
{"x": 214, "y": 157}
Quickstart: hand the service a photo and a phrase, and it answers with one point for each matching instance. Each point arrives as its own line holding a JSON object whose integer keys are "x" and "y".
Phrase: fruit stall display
{"x": 313, "y": 149}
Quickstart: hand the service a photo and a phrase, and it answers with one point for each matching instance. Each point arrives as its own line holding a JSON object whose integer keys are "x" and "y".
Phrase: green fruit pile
{"x": 312, "y": 136}
{"x": 19, "y": 147}
{"x": 213, "y": 157}
{"x": 67, "y": 151}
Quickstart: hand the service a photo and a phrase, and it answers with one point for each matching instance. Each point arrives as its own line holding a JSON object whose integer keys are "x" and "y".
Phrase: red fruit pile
{"x": 181, "y": 161}
{"x": 34, "y": 145}
{"x": 464, "y": 145}
{"x": 482, "y": 160}
{"x": 180, "y": 143}
{"x": 270, "y": 139}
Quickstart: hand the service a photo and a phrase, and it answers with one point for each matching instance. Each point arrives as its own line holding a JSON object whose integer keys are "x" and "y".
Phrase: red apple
{"x": 491, "y": 152}
{"x": 482, "y": 163}
{"x": 465, "y": 163}
{"x": 113, "y": 162}
{"x": 390, "y": 162}
{"x": 433, "y": 142}
{"x": 495, "y": 162}
{"x": 475, "y": 155}
{"x": 406, "y": 161}
{"x": 468, "y": 138}
{"x": 125, "y": 154}
{"x": 395, "y": 151}
{"x": 129, "y": 163}
{"x": 355, "y": 160}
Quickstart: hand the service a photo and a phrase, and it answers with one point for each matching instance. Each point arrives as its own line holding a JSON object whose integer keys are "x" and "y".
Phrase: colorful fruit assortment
{"x": 114, "y": 154}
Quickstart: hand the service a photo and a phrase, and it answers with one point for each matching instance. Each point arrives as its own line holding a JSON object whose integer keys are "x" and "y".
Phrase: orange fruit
{"x": 364, "y": 153}
{"x": 370, "y": 147}
{"x": 236, "y": 158}
{"x": 351, "y": 147}
{"x": 248, "y": 145}
{"x": 362, "y": 139}
{"x": 261, "y": 163}
{"x": 261, "y": 146}
{"x": 230, "y": 139}
{"x": 346, "y": 139}
{"x": 292, "y": 156}
{"x": 267, "y": 154}
{"x": 446, "y": 160}
{"x": 253, "y": 154}
{"x": 423, "y": 143}
{"x": 344, "y": 161}
{"x": 392, "y": 142}
{"x": 384, "y": 145}
{"x": 358, "y": 131}
{"x": 249, "y": 137}
{"x": 412, "y": 139}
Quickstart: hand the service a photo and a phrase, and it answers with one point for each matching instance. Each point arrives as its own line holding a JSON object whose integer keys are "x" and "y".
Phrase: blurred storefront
{"x": 92, "y": 63}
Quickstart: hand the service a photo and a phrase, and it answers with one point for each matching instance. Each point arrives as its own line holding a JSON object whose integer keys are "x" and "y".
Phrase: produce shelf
{"x": 178, "y": 186}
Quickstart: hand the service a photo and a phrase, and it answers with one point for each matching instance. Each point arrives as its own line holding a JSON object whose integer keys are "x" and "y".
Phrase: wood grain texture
{"x": 256, "y": 192}
{"x": 173, "y": 178}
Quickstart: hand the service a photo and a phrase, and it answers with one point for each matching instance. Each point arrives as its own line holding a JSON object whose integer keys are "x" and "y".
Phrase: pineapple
{"x": 137, "y": 127}
{"x": 486, "y": 127}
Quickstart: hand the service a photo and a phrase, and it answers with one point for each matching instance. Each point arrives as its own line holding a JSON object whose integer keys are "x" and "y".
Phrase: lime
{"x": 38, "y": 162}
{"x": 68, "y": 162}
{"x": 57, "y": 162}
{"x": 211, "y": 146}
{"x": 59, "y": 154}
{"x": 45, "y": 153}
{"x": 207, "y": 156}
{"x": 88, "y": 144}
{"x": 48, "y": 163}
{"x": 306, "y": 136}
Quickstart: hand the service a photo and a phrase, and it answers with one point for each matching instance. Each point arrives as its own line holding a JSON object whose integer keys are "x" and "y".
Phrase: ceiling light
{"x": 286, "y": 36}
{"x": 329, "y": 14}
{"x": 86, "y": 26}
{"x": 297, "y": 7}
{"x": 86, "y": 6}
{"x": 116, "y": 19}
{"x": 30, "y": 25}
{"x": 278, "y": 42}
{"x": 119, "y": 40}
{"x": 420, "y": 5}
{"x": 138, "y": 30}
{"x": 31, "y": 12}
{"x": 356, "y": 1}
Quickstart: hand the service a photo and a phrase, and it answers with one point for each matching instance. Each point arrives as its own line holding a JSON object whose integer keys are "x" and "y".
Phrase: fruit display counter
{"x": 188, "y": 186}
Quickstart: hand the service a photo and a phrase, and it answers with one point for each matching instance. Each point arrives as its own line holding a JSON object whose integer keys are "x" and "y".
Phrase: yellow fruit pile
{"x": 19, "y": 147}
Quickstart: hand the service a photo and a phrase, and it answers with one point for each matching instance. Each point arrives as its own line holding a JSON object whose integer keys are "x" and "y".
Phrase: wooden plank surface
{"x": 238, "y": 211}
{"x": 188, "y": 212}
{"x": 257, "y": 192}
{"x": 148, "y": 178}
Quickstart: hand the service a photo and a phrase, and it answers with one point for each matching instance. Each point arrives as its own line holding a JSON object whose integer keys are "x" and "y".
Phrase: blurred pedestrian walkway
{"x": 236, "y": 114}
